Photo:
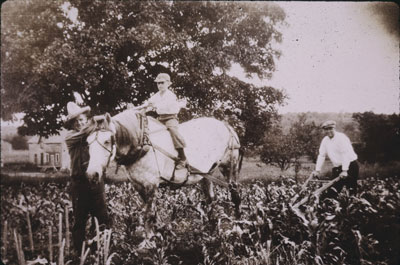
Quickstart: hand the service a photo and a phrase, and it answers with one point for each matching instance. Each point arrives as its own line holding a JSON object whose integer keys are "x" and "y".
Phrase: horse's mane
{"x": 127, "y": 128}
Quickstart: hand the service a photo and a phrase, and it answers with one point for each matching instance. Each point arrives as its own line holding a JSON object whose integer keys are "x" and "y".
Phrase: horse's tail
{"x": 241, "y": 156}
{"x": 235, "y": 144}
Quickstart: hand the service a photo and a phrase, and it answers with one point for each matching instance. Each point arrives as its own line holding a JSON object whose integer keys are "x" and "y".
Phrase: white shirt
{"x": 166, "y": 103}
{"x": 339, "y": 150}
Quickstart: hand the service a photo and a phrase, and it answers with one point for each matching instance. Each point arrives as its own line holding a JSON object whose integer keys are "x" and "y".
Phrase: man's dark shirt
{"x": 78, "y": 151}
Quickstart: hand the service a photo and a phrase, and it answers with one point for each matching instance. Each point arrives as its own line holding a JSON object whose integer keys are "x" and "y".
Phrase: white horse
{"x": 211, "y": 145}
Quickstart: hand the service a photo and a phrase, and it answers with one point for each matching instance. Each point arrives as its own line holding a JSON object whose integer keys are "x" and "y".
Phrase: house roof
{"x": 52, "y": 139}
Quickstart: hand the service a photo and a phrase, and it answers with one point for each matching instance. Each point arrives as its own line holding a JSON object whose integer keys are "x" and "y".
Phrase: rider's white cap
{"x": 163, "y": 77}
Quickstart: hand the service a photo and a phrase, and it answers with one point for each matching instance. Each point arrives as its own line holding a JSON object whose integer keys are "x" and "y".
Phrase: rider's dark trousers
{"x": 350, "y": 181}
{"x": 87, "y": 198}
{"x": 171, "y": 122}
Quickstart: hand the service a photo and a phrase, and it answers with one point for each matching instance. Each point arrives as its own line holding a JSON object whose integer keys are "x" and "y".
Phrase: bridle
{"x": 113, "y": 145}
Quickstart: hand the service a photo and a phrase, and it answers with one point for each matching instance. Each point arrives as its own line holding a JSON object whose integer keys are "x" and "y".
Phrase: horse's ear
{"x": 111, "y": 125}
{"x": 108, "y": 117}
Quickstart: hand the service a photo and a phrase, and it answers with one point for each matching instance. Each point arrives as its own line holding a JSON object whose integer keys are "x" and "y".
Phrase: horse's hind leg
{"x": 208, "y": 189}
{"x": 230, "y": 172}
{"x": 235, "y": 197}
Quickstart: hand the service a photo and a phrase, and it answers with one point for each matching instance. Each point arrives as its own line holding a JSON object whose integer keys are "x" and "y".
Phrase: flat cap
{"x": 328, "y": 125}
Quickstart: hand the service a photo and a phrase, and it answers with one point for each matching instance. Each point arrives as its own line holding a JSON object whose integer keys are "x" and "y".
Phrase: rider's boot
{"x": 182, "y": 162}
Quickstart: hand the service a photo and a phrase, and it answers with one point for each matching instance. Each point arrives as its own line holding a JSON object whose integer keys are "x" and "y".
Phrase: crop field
{"x": 363, "y": 229}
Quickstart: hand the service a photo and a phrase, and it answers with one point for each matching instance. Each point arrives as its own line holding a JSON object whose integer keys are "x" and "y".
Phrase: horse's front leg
{"x": 148, "y": 193}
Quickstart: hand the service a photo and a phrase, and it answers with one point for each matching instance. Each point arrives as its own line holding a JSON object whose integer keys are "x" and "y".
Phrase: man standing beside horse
{"x": 87, "y": 197}
{"x": 165, "y": 103}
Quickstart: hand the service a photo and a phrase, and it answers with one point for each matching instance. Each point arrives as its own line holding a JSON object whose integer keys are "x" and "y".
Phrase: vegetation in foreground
{"x": 361, "y": 229}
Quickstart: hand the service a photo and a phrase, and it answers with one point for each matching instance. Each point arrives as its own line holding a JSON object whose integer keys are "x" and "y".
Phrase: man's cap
{"x": 74, "y": 111}
{"x": 328, "y": 125}
{"x": 163, "y": 77}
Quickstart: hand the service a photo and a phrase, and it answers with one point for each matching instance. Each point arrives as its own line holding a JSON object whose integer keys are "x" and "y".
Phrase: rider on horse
{"x": 165, "y": 103}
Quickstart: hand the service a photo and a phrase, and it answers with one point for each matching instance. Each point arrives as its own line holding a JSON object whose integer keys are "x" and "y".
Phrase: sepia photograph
{"x": 200, "y": 132}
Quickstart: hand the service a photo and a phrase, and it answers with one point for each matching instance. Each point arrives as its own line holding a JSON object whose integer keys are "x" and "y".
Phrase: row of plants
{"x": 360, "y": 229}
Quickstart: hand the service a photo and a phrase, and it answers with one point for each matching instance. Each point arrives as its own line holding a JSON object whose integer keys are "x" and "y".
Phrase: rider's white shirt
{"x": 166, "y": 103}
{"x": 338, "y": 149}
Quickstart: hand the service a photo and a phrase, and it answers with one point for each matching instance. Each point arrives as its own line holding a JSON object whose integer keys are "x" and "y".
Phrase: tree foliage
{"x": 380, "y": 137}
{"x": 19, "y": 143}
{"x": 277, "y": 149}
{"x": 112, "y": 52}
{"x": 284, "y": 150}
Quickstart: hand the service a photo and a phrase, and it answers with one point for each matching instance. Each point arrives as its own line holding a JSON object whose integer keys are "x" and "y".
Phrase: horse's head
{"x": 102, "y": 147}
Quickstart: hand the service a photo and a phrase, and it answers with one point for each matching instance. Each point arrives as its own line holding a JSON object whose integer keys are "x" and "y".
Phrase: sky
{"x": 338, "y": 57}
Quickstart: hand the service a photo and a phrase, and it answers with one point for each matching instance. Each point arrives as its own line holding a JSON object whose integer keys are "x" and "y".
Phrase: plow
{"x": 297, "y": 201}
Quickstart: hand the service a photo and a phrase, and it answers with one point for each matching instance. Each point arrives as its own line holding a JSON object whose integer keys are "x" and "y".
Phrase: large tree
{"x": 112, "y": 51}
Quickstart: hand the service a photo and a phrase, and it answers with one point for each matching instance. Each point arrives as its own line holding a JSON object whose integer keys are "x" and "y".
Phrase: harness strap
{"x": 158, "y": 166}
{"x": 112, "y": 146}
{"x": 175, "y": 158}
{"x": 209, "y": 177}
{"x": 142, "y": 127}
{"x": 173, "y": 184}
{"x": 165, "y": 152}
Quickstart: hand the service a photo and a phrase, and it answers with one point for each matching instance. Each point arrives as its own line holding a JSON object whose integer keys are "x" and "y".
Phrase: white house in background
{"x": 49, "y": 152}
